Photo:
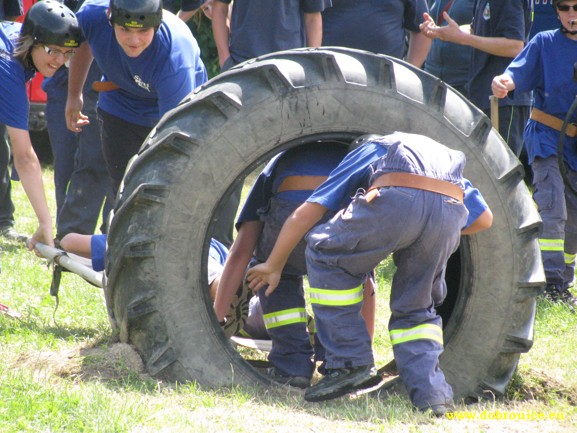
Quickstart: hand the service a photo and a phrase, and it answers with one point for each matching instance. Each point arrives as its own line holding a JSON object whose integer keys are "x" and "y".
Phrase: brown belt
{"x": 104, "y": 86}
{"x": 553, "y": 122}
{"x": 301, "y": 183}
{"x": 409, "y": 180}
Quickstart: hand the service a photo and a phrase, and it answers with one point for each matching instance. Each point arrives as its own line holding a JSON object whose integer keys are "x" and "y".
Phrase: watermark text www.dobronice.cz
{"x": 530, "y": 415}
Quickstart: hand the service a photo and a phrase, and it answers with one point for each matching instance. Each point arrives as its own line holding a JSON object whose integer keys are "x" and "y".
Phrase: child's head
{"x": 135, "y": 23}
{"x": 567, "y": 14}
{"x": 48, "y": 37}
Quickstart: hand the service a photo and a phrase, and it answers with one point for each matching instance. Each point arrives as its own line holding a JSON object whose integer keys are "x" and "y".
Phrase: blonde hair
{"x": 22, "y": 50}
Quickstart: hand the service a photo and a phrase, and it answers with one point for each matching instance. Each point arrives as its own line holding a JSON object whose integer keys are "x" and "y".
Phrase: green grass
{"x": 62, "y": 371}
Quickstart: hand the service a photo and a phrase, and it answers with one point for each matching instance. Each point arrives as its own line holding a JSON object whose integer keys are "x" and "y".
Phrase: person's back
{"x": 372, "y": 25}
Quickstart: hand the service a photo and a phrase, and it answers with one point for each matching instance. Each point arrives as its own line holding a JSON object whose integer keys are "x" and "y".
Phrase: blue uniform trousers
{"x": 421, "y": 229}
{"x": 284, "y": 311}
{"x": 557, "y": 206}
{"x": 6, "y": 205}
{"x": 82, "y": 185}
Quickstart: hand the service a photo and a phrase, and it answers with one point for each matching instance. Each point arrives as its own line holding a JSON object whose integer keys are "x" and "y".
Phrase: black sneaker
{"x": 341, "y": 381}
{"x": 567, "y": 297}
{"x": 552, "y": 293}
{"x": 294, "y": 381}
{"x": 556, "y": 294}
{"x": 9, "y": 233}
{"x": 439, "y": 410}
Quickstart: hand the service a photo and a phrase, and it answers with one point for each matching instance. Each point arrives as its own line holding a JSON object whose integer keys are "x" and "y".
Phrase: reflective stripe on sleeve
{"x": 285, "y": 317}
{"x": 421, "y": 332}
{"x": 331, "y": 297}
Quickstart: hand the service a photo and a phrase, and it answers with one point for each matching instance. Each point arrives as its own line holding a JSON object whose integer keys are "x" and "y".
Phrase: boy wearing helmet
{"x": 546, "y": 66}
{"x": 45, "y": 41}
{"x": 150, "y": 61}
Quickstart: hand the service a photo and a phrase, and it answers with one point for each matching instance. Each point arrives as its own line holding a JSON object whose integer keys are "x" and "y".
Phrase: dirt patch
{"x": 105, "y": 363}
{"x": 538, "y": 386}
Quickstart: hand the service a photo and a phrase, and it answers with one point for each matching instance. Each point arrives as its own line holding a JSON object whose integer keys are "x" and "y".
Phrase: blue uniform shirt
{"x": 312, "y": 160}
{"x": 259, "y": 27}
{"x": 546, "y": 67}
{"x": 545, "y": 17}
{"x": 152, "y": 83}
{"x": 13, "y": 79}
{"x": 497, "y": 18}
{"x": 372, "y": 25}
{"x": 359, "y": 168}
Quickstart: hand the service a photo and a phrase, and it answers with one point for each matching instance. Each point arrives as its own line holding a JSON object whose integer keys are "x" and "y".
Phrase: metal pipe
{"x": 62, "y": 258}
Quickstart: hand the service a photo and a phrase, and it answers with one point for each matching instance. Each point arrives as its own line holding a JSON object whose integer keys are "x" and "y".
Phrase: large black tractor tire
{"x": 158, "y": 240}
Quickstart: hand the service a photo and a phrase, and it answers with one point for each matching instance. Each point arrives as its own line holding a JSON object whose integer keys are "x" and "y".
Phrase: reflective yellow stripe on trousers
{"x": 285, "y": 317}
{"x": 421, "y": 332}
{"x": 551, "y": 244}
{"x": 336, "y": 298}
{"x": 569, "y": 258}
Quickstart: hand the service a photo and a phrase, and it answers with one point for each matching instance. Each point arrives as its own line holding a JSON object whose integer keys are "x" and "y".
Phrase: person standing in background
{"x": 47, "y": 39}
{"x": 81, "y": 182}
{"x": 447, "y": 60}
{"x": 383, "y": 25}
{"x": 498, "y": 32}
{"x": 259, "y": 27}
{"x": 10, "y": 10}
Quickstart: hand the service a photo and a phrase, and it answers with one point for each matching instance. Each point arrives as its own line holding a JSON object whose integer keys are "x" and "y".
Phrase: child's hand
{"x": 500, "y": 85}
{"x": 262, "y": 275}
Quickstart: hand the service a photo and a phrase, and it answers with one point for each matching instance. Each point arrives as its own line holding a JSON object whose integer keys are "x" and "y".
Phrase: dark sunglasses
{"x": 565, "y": 8}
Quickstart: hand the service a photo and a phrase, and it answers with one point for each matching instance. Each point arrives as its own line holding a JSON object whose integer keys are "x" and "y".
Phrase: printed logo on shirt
{"x": 487, "y": 12}
{"x": 141, "y": 83}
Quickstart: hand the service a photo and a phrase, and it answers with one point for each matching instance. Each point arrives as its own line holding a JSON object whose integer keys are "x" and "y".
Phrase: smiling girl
{"x": 46, "y": 40}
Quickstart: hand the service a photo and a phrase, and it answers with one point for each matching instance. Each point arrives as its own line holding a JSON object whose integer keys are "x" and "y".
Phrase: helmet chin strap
{"x": 570, "y": 32}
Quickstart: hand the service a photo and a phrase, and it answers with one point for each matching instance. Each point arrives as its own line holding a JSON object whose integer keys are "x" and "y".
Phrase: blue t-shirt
{"x": 259, "y": 27}
{"x": 97, "y": 251}
{"x": 420, "y": 155}
{"x": 317, "y": 159}
{"x": 155, "y": 81}
{"x": 497, "y": 18}
{"x": 217, "y": 255}
{"x": 446, "y": 60}
{"x": 372, "y": 25}
{"x": 13, "y": 78}
{"x": 546, "y": 66}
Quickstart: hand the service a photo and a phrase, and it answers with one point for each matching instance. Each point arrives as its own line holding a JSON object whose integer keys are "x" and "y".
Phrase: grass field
{"x": 61, "y": 370}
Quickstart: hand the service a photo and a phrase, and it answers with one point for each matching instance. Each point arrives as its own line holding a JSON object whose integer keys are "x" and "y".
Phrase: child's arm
{"x": 238, "y": 259}
{"x": 78, "y": 244}
{"x": 294, "y": 229}
{"x": 483, "y": 222}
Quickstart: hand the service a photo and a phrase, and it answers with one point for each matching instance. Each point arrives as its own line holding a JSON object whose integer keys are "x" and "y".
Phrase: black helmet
{"x": 136, "y": 14}
{"x": 52, "y": 23}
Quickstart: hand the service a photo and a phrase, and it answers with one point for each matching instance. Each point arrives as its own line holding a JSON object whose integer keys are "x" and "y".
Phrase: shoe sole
{"x": 347, "y": 389}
